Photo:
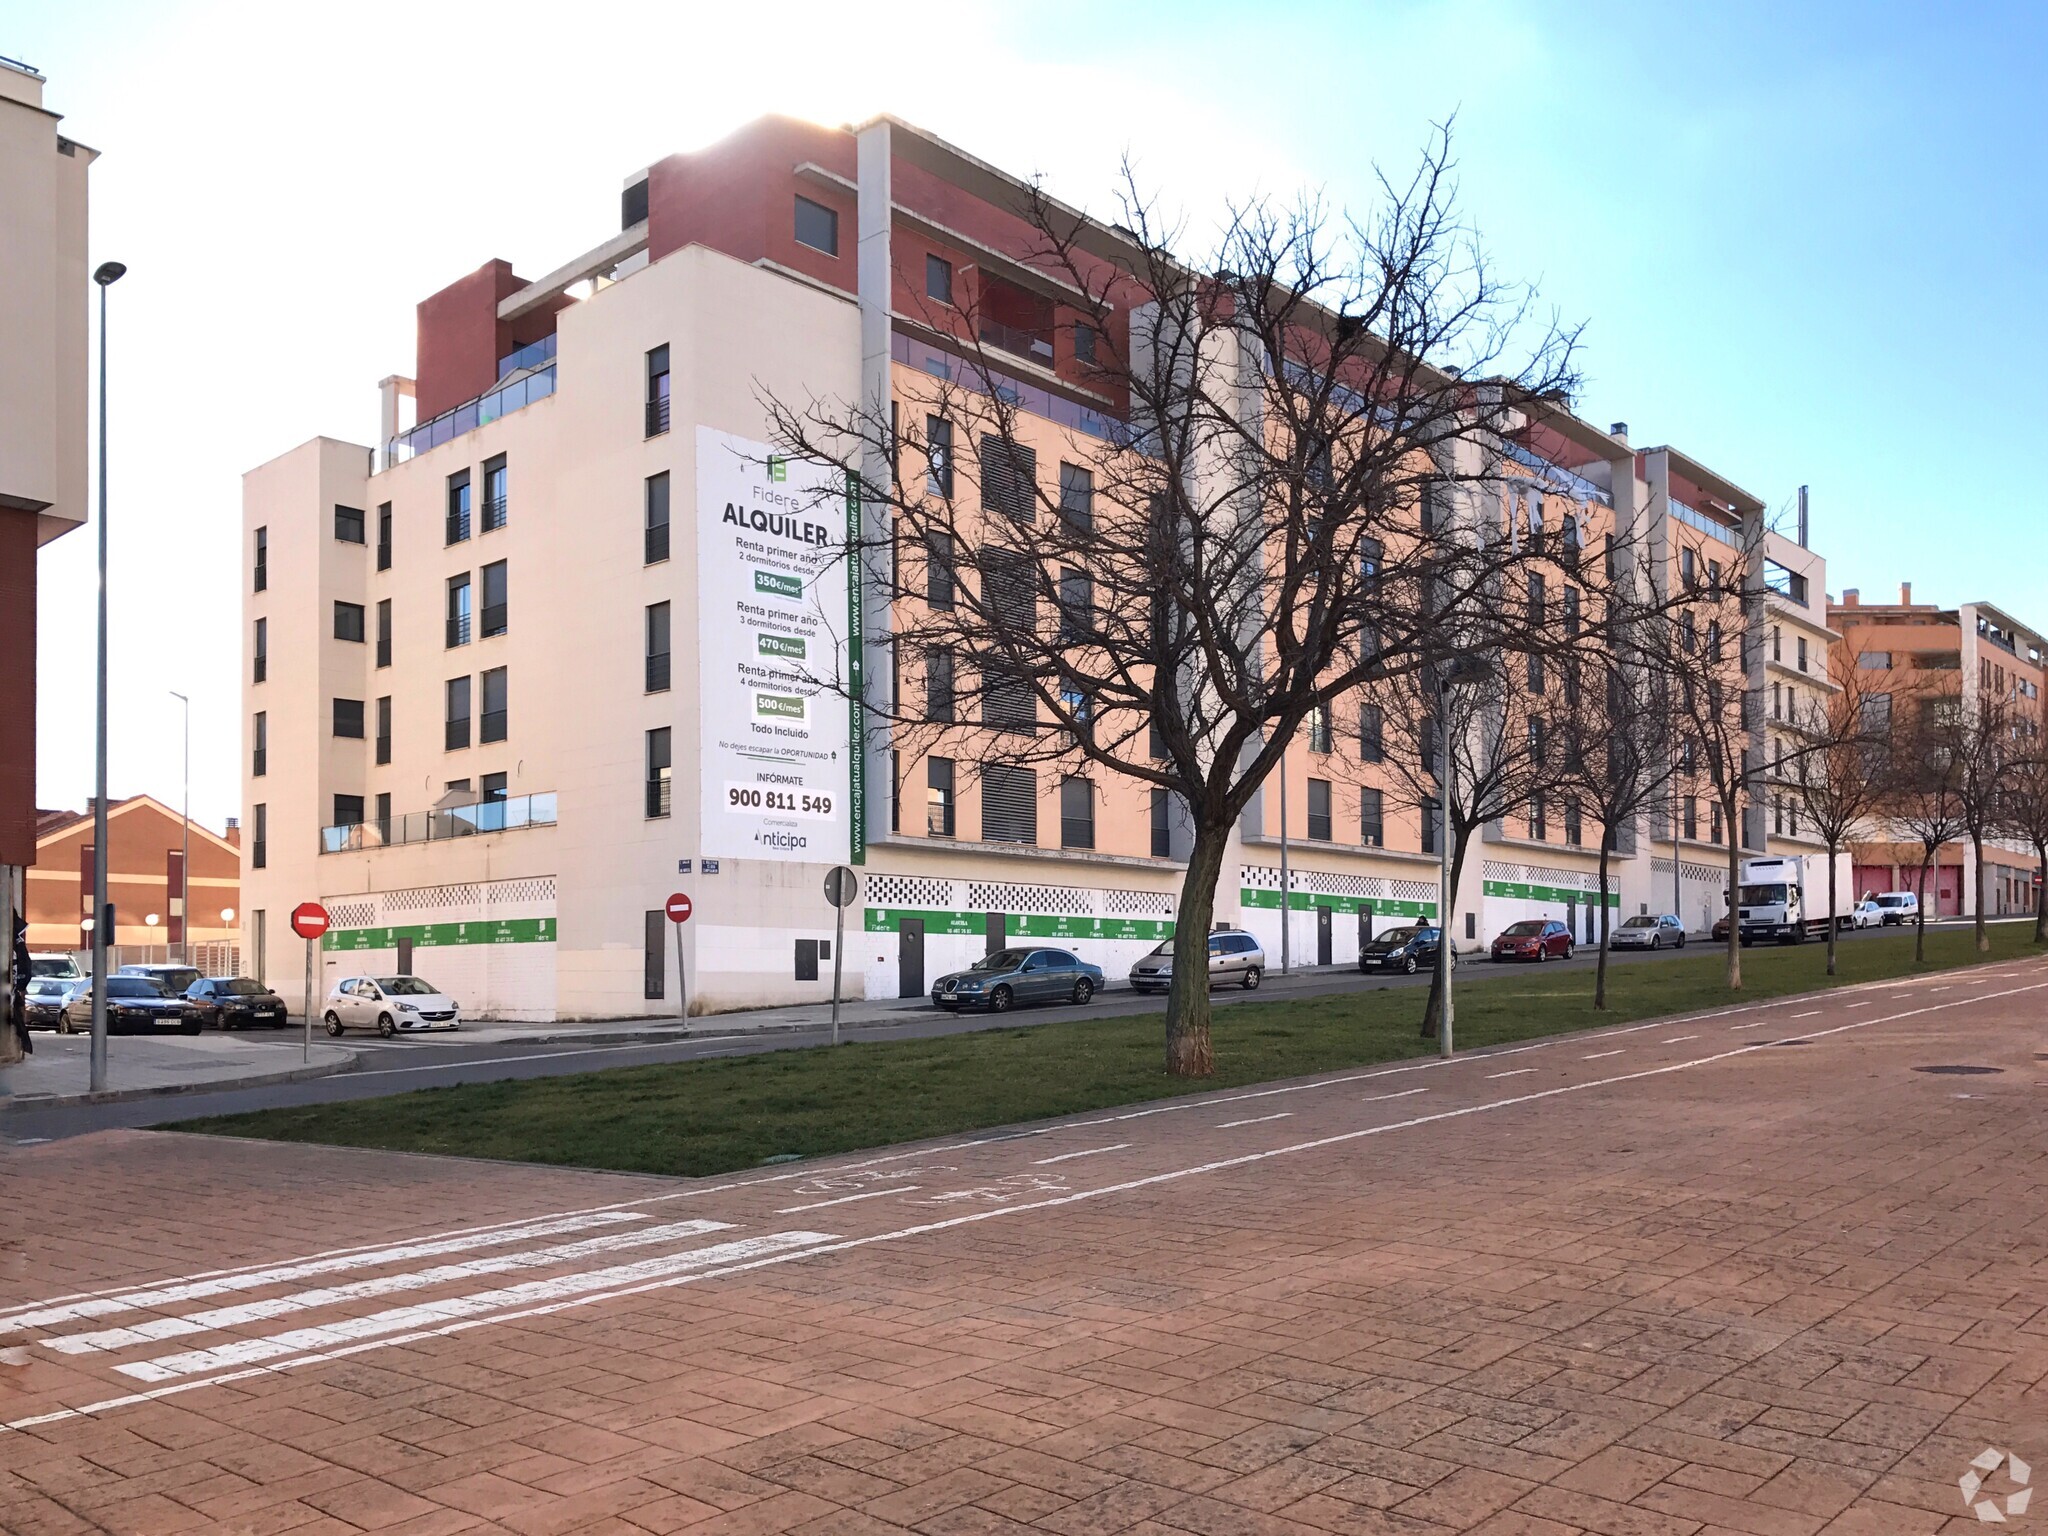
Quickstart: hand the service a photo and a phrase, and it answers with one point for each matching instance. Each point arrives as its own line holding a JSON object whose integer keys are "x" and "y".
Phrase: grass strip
{"x": 706, "y": 1117}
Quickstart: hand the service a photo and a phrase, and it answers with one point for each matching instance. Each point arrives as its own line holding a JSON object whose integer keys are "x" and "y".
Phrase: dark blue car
{"x": 1406, "y": 950}
{"x": 1001, "y": 981}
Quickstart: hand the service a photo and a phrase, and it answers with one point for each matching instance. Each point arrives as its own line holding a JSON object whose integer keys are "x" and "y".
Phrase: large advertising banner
{"x": 779, "y": 763}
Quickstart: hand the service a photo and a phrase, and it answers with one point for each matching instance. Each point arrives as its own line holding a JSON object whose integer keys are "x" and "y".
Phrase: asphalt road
{"x": 398, "y": 1066}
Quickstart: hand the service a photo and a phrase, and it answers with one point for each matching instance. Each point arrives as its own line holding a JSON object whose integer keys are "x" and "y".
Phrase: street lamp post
{"x": 184, "y": 909}
{"x": 106, "y": 275}
{"x": 1466, "y": 669}
{"x": 1286, "y": 879}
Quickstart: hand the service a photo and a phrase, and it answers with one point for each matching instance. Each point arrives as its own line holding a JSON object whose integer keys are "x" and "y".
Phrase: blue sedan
{"x": 1000, "y": 981}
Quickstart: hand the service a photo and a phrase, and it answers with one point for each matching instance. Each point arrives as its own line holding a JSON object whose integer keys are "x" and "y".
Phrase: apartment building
{"x": 43, "y": 363}
{"x": 513, "y": 674}
{"x": 1928, "y": 653}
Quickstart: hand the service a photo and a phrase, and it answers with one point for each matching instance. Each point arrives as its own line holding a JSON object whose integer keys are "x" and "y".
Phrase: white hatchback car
{"x": 390, "y": 1005}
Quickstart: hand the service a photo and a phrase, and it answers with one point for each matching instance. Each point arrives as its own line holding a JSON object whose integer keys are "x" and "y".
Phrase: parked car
{"x": 235, "y": 1002}
{"x": 1899, "y": 907}
{"x": 1865, "y": 914}
{"x": 62, "y": 966}
{"x": 176, "y": 978}
{"x": 48, "y": 1003}
{"x": 1534, "y": 938}
{"x": 1406, "y": 950}
{"x": 999, "y": 981}
{"x": 140, "y": 1005}
{"x": 1721, "y": 930}
{"x": 390, "y": 1005}
{"x": 1234, "y": 955}
{"x": 1647, "y": 931}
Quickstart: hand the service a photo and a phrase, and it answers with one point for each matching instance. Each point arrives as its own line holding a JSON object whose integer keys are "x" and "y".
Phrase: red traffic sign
{"x": 679, "y": 908}
{"x": 309, "y": 919}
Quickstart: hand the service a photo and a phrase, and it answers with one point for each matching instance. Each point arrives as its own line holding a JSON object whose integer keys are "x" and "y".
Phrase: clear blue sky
{"x": 1806, "y": 240}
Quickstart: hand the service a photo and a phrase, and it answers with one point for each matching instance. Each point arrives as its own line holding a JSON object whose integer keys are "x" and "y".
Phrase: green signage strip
{"x": 856, "y": 672}
{"x": 515, "y": 930}
{"x": 1308, "y": 901}
{"x": 780, "y": 645}
{"x": 1025, "y": 926}
{"x": 1510, "y": 890}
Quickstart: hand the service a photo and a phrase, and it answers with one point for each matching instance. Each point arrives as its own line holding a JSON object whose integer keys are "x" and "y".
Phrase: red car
{"x": 1534, "y": 938}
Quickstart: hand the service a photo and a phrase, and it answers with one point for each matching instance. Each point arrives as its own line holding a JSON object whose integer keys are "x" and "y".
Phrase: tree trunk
{"x": 1443, "y": 943}
{"x": 1734, "y": 889}
{"x": 2041, "y": 895}
{"x": 1977, "y": 853}
{"x": 1834, "y": 927}
{"x": 1189, "y": 1052}
{"x": 1920, "y": 910}
{"x": 1600, "y": 965}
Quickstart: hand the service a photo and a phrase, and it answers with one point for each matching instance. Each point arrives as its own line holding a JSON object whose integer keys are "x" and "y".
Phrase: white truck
{"x": 1786, "y": 898}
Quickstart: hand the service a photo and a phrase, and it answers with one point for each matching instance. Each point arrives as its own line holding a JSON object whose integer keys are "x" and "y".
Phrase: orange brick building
{"x": 144, "y": 879}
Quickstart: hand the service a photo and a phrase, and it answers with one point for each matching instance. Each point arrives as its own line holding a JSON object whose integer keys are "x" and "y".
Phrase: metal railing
{"x": 458, "y": 527}
{"x": 657, "y": 416}
{"x": 458, "y": 630}
{"x": 1693, "y": 517}
{"x": 494, "y": 512}
{"x": 493, "y": 619}
{"x": 455, "y": 735}
{"x": 259, "y": 763}
{"x": 535, "y": 354}
{"x": 658, "y": 791}
{"x": 657, "y": 672}
{"x": 656, "y": 548}
{"x": 1036, "y": 345}
{"x": 492, "y": 726}
{"x": 509, "y": 815}
{"x": 471, "y": 414}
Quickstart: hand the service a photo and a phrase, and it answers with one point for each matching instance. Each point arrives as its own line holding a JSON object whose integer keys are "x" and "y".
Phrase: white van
{"x": 1899, "y": 907}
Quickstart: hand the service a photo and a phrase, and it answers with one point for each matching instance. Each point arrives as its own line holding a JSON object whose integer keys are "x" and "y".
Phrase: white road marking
{"x": 1285, "y": 1114}
{"x": 1864, "y": 1004}
{"x": 404, "y": 1319}
{"x": 1381, "y": 1098}
{"x": 1089, "y": 1152}
{"x": 1738, "y": 1028}
{"x": 1680, "y": 1039}
{"x": 1809, "y": 1014}
{"x": 873, "y": 1194}
{"x": 1602, "y": 1055}
{"x": 1517, "y": 1072}
{"x": 247, "y": 1312}
{"x": 131, "y": 1399}
{"x": 198, "y": 1289}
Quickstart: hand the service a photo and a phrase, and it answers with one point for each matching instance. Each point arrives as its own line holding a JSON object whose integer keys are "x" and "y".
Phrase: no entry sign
{"x": 309, "y": 920}
{"x": 678, "y": 908}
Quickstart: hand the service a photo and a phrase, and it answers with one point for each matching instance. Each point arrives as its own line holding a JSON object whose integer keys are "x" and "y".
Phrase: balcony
{"x": 511, "y": 815}
{"x": 1692, "y": 517}
{"x": 494, "y": 513}
{"x": 458, "y": 630}
{"x": 529, "y": 358}
{"x": 470, "y": 415}
{"x": 1018, "y": 341}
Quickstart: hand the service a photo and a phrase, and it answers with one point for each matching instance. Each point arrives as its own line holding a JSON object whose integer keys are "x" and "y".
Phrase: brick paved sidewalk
{"x": 1691, "y": 1277}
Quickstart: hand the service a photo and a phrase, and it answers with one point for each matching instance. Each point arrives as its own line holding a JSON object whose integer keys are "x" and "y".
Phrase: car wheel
{"x": 1681, "y": 941}
{"x": 1252, "y": 978}
{"x": 1408, "y": 966}
{"x": 385, "y": 1026}
{"x": 1542, "y": 953}
{"x": 1656, "y": 941}
{"x": 65, "y": 1026}
{"x": 1570, "y": 950}
{"x": 333, "y": 1024}
{"x": 1084, "y": 989}
{"x": 999, "y": 1000}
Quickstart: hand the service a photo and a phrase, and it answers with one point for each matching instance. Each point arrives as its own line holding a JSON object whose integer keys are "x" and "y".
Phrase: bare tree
{"x": 1286, "y": 496}
{"x": 1986, "y": 745}
{"x": 1841, "y": 767}
{"x": 2025, "y": 815}
{"x": 1923, "y": 796}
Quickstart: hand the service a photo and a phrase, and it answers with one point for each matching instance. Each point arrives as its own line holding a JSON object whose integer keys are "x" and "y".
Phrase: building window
{"x": 1372, "y": 818}
{"x": 348, "y": 524}
{"x": 1432, "y": 827}
{"x": 1077, "y": 813}
{"x": 1777, "y": 644}
{"x": 657, "y": 519}
{"x": 659, "y": 772}
{"x": 261, "y": 667}
{"x": 348, "y": 622}
{"x": 384, "y": 536}
{"x": 653, "y": 962}
{"x": 259, "y": 749}
{"x": 938, "y": 278}
{"x": 1155, "y": 742}
{"x": 1077, "y": 606}
{"x": 458, "y": 507}
{"x": 348, "y": 811}
{"x": 939, "y": 691}
{"x": 455, "y": 732}
{"x": 938, "y": 796}
{"x": 1077, "y": 496}
{"x": 496, "y": 689}
{"x": 1714, "y": 578}
{"x": 1319, "y": 728}
{"x": 657, "y": 648}
{"x": 1692, "y": 818}
{"x": 1009, "y": 804}
{"x": 1084, "y": 342}
{"x": 1802, "y": 653}
{"x": 1688, "y": 567}
{"x": 383, "y": 818}
{"x": 495, "y": 614}
{"x": 1319, "y": 828}
{"x": 384, "y": 632}
{"x": 1007, "y": 700}
{"x": 1571, "y": 613}
{"x": 1009, "y": 478}
{"x": 384, "y": 729}
{"x": 938, "y": 572}
{"x": 817, "y": 226}
{"x": 348, "y": 718}
{"x": 262, "y": 559}
{"x": 1162, "y": 825}
{"x": 938, "y": 451}
{"x": 1372, "y": 734}
{"x": 1076, "y": 700}
{"x": 1538, "y": 829}
{"x": 657, "y": 391}
{"x": 494, "y": 493}
{"x": 259, "y": 841}
{"x": 458, "y": 610}
{"x": 1714, "y": 821}
{"x": 1573, "y": 829}
{"x": 493, "y": 787}
{"x": 895, "y": 790}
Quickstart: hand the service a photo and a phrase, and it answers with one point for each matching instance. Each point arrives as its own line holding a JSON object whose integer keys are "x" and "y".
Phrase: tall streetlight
{"x": 184, "y": 912}
{"x": 1465, "y": 669}
{"x": 106, "y": 275}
